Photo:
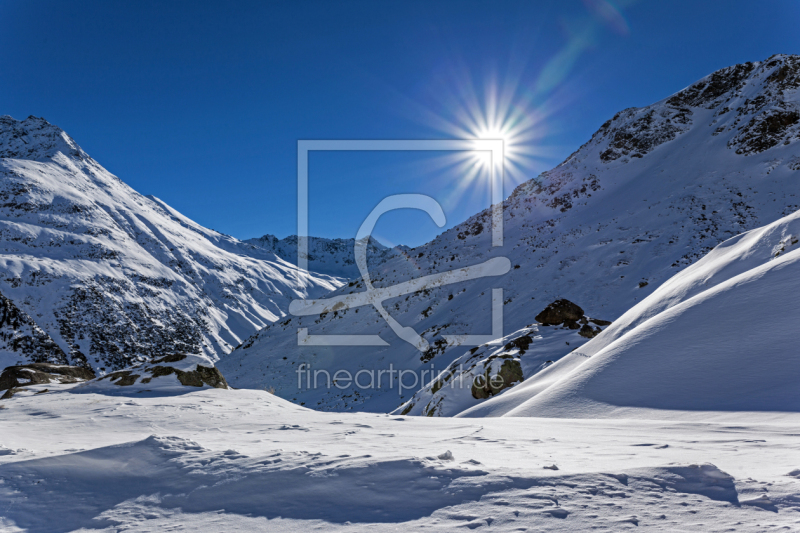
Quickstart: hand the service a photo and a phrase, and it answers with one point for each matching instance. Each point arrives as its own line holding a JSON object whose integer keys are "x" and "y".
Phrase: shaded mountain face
{"x": 334, "y": 257}
{"x": 653, "y": 191}
{"x": 22, "y": 340}
{"x": 110, "y": 277}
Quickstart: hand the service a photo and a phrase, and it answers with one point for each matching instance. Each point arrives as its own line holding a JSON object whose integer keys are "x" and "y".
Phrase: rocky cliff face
{"x": 650, "y": 193}
{"x": 95, "y": 274}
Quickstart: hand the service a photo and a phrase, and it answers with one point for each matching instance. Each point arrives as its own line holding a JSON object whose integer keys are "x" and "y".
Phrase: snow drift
{"x": 719, "y": 336}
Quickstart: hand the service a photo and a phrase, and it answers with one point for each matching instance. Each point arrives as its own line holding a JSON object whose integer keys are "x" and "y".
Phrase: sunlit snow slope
{"x": 653, "y": 191}
{"x": 719, "y": 336}
{"x": 113, "y": 277}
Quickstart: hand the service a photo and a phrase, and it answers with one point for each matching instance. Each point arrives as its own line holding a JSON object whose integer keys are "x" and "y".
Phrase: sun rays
{"x": 496, "y": 111}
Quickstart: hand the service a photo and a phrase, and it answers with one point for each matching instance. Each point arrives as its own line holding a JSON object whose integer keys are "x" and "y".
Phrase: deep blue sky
{"x": 202, "y": 103}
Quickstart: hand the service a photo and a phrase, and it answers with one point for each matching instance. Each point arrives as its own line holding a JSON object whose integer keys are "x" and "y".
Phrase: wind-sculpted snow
{"x": 114, "y": 277}
{"x": 246, "y": 460}
{"x": 719, "y": 336}
{"x": 687, "y": 173}
{"x": 334, "y": 490}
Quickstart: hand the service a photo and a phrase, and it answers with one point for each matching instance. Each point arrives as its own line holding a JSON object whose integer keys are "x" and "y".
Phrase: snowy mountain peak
{"x": 35, "y": 139}
{"x": 754, "y": 107}
{"x": 98, "y": 275}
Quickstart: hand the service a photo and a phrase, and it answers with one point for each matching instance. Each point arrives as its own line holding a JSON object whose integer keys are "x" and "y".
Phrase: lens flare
{"x": 499, "y": 111}
{"x": 515, "y": 109}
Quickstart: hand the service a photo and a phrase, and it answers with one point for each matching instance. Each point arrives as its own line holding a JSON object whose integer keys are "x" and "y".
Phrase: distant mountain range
{"x": 334, "y": 257}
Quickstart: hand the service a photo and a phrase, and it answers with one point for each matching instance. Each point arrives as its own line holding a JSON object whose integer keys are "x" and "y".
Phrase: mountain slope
{"x": 491, "y": 369}
{"x": 719, "y": 336}
{"x": 114, "y": 277}
{"x": 649, "y": 194}
{"x": 21, "y": 338}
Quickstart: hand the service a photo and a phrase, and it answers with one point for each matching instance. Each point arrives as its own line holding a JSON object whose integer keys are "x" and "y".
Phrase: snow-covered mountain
{"x": 719, "y": 336}
{"x": 94, "y": 273}
{"x": 653, "y": 191}
{"x": 334, "y": 257}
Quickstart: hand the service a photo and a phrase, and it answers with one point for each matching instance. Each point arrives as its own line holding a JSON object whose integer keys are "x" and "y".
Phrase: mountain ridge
{"x": 116, "y": 278}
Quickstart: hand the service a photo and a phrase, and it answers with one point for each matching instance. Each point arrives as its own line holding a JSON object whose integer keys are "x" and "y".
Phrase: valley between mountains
{"x": 646, "y": 375}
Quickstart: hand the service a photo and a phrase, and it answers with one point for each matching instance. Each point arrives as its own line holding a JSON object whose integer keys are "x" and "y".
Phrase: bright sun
{"x": 498, "y": 114}
{"x": 482, "y": 160}
{"x": 493, "y": 133}
{"x": 498, "y": 110}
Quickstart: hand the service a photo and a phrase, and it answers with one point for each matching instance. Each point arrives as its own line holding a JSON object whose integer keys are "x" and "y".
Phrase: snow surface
{"x": 653, "y": 191}
{"x": 245, "y": 460}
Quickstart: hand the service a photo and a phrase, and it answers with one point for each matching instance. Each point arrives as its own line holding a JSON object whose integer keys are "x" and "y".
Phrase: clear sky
{"x": 202, "y": 103}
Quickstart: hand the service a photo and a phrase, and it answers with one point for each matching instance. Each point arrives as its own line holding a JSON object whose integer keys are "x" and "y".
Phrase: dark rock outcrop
{"x": 521, "y": 343}
{"x": 197, "y": 377}
{"x": 38, "y": 373}
{"x": 560, "y": 312}
{"x": 588, "y": 331}
{"x": 487, "y": 386}
{"x": 570, "y": 315}
{"x": 20, "y": 334}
